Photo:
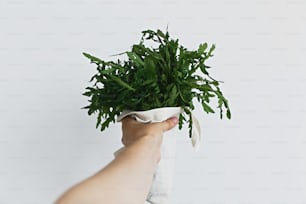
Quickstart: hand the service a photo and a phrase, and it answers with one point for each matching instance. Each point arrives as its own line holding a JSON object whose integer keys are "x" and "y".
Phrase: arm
{"x": 127, "y": 179}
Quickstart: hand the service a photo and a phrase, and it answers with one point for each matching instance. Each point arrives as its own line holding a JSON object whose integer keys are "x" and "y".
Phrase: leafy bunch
{"x": 154, "y": 77}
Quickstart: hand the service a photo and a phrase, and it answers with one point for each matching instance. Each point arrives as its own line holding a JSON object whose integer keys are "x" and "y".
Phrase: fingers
{"x": 169, "y": 123}
{"x": 128, "y": 120}
{"x": 165, "y": 125}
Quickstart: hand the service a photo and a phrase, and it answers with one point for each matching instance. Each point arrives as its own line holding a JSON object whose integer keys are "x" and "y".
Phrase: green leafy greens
{"x": 164, "y": 76}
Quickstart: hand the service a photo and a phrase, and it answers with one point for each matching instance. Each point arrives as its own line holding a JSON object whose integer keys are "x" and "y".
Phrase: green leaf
{"x": 202, "y": 48}
{"x": 161, "y": 34}
{"x": 87, "y": 93}
{"x": 85, "y": 107}
{"x": 173, "y": 95}
{"x": 211, "y": 50}
{"x": 207, "y": 108}
{"x": 228, "y": 114}
{"x": 99, "y": 119}
{"x": 135, "y": 58}
{"x": 122, "y": 83}
{"x": 93, "y": 59}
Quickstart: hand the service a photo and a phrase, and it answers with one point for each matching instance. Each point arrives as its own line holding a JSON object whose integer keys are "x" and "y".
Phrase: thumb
{"x": 169, "y": 123}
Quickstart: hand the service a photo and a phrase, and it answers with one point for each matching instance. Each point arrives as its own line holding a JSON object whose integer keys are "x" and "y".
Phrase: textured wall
{"x": 47, "y": 143}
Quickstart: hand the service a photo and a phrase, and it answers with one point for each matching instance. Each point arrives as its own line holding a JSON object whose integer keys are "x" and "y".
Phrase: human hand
{"x": 133, "y": 130}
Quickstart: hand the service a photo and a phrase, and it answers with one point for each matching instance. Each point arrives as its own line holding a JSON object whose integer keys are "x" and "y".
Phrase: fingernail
{"x": 174, "y": 120}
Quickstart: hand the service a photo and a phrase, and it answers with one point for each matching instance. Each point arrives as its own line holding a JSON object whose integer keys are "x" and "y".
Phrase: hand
{"x": 133, "y": 130}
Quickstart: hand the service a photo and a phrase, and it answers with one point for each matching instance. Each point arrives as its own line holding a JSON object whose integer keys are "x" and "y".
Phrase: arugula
{"x": 154, "y": 77}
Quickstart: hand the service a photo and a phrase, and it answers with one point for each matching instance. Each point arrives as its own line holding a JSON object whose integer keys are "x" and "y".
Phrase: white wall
{"x": 47, "y": 143}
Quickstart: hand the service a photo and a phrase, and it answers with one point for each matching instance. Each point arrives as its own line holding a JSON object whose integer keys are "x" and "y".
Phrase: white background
{"x": 47, "y": 143}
